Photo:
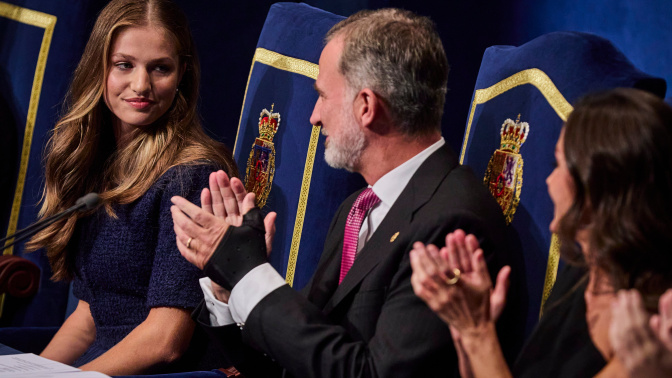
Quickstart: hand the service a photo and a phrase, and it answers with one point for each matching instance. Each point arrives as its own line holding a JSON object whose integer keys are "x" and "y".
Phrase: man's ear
{"x": 367, "y": 107}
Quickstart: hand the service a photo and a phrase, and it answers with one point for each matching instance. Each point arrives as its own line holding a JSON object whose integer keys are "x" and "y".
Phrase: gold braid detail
{"x": 305, "y": 68}
{"x": 545, "y": 85}
{"x": 47, "y": 22}
{"x": 281, "y": 62}
{"x": 303, "y": 203}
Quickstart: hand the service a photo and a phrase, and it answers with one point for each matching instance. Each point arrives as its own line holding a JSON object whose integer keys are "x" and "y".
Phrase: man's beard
{"x": 346, "y": 151}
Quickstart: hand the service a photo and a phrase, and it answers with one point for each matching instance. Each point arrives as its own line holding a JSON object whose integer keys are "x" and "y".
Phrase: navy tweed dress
{"x": 126, "y": 266}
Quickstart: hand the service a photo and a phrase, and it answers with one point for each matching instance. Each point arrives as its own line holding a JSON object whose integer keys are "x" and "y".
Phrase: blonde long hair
{"x": 81, "y": 154}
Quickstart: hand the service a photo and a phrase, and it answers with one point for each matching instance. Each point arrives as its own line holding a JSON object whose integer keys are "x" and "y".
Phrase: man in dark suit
{"x": 381, "y": 87}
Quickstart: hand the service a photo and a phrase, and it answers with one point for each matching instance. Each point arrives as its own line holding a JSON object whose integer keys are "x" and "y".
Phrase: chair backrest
{"x": 537, "y": 82}
{"x": 40, "y": 44}
{"x": 279, "y": 153}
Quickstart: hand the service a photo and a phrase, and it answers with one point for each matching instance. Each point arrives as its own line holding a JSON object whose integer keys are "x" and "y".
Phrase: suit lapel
{"x": 325, "y": 280}
{"x": 419, "y": 190}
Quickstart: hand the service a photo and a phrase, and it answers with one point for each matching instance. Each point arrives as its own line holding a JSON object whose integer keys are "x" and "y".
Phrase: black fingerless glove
{"x": 241, "y": 250}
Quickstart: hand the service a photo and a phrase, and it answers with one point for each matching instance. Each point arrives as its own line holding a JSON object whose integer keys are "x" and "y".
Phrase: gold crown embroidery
{"x": 504, "y": 175}
{"x": 261, "y": 163}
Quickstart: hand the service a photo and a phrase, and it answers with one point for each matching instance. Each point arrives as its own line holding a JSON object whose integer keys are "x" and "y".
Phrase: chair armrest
{"x": 27, "y": 339}
{"x": 19, "y": 277}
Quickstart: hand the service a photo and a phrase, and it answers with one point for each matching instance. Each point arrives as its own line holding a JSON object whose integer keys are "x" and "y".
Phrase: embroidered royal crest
{"x": 261, "y": 163}
{"x": 504, "y": 175}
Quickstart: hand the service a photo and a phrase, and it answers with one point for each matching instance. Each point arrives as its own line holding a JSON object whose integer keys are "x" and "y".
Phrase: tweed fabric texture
{"x": 126, "y": 266}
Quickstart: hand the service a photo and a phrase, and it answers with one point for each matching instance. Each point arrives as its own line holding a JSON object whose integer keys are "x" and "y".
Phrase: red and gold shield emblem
{"x": 504, "y": 175}
{"x": 261, "y": 163}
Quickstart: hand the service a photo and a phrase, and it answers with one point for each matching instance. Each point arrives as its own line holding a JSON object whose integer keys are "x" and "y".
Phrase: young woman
{"x": 613, "y": 213}
{"x": 130, "y": 132}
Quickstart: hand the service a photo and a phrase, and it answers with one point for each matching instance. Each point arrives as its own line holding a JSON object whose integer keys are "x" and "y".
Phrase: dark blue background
{"x": 226, "y": 33}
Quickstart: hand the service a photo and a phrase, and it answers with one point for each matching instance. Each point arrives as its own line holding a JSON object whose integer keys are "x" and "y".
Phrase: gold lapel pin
{"x": 394, "y": 237}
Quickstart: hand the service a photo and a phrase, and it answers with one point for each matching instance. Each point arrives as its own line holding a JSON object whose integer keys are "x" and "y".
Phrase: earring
{"x": 177, "y": 90}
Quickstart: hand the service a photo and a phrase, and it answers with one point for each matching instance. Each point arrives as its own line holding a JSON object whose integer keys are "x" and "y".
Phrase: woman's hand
{"x": 470, "y": 302}
{"x": 642, "y": 344}
{"x": 662, "y": 323}
{"x": 455, "y": 283}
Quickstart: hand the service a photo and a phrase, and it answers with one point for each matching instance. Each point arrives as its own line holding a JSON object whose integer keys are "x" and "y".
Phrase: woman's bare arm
{"x": 161, "y": 339}
{"x": 73, "y": 338}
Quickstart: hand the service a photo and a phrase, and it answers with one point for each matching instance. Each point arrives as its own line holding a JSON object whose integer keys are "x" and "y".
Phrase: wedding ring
{"x": 456, "y": 277}
{"x": 190, "y": 239}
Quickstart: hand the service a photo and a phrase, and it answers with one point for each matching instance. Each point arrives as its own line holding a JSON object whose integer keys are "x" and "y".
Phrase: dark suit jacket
{"x": 372, "y": 324}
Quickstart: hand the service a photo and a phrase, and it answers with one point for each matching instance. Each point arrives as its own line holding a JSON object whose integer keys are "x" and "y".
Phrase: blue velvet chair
{"x": 40, "y": 44}
{"x": 536, "y": 82}
{"x": 278, "y": 152}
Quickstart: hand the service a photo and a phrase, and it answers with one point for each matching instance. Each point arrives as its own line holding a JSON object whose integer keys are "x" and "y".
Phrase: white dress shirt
{"x": 263, "y": 279}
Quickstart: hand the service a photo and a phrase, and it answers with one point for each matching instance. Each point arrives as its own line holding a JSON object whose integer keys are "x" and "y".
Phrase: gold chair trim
{"x": 47, "y": 22}
{"x": 305, "y": 68}
{"x": 557, "y": 101}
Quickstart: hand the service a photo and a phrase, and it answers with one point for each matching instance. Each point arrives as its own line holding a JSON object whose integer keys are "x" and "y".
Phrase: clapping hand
{"x": 199, "y": 230}
{"x": 643, "y": 344}
{"x": 228, "y": 199}
{"x": 455, "y": 283}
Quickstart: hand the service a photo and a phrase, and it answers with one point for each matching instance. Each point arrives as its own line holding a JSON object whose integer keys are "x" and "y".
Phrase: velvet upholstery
{"x": 282, "y": 77}
{"x": 41, "y": 43}
{"x": 19, "y": 277}
{"x": 539, "y": 80}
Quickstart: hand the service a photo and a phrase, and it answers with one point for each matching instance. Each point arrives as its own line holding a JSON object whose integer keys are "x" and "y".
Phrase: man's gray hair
{"x": 398, "y": 55}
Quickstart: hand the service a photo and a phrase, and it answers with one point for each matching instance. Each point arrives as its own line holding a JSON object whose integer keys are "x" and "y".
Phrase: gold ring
{"x": 456, "y": 277}
{"x": 189, "y": 243}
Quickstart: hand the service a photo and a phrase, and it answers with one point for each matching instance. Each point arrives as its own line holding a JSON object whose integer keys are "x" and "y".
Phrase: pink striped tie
{"x": 365, "y": 201}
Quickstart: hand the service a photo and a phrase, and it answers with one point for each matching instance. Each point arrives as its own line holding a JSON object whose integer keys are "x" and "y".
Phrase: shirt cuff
{"x": 251, "y": 289}
{"x": 220, "y": 313}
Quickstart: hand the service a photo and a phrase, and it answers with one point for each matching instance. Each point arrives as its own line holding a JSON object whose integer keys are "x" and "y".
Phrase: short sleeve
{"x": 80, "y": 291}
{"x": 174, "y": 281}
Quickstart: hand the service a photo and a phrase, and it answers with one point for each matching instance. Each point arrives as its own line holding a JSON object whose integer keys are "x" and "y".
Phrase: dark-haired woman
{"x": 130, "y": 132}
{"x": 613, "y": 213}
